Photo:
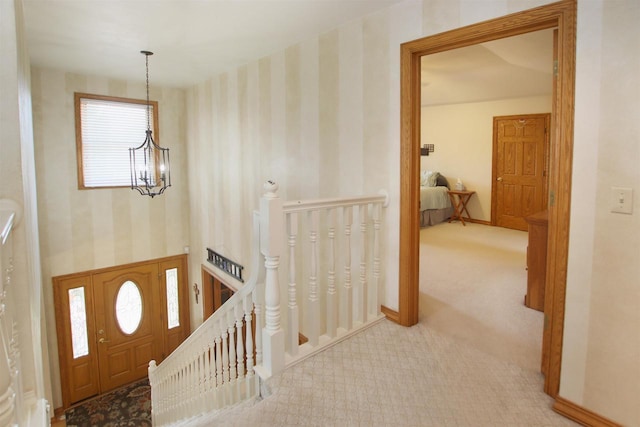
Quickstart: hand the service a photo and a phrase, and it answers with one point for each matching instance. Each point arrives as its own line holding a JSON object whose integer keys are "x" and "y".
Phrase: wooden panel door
{"x": 77, "y": 350}
{"x": 128, "y": 323}
{"x": 520, "y": 157}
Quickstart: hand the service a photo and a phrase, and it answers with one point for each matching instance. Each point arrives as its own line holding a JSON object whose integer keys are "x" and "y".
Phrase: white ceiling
{"x": 507, "y": 68}
{"x": 192, "y": 40}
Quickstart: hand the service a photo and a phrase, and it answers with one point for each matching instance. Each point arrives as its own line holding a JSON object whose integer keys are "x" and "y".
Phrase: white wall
{"x": 601, "y": 360}
{"x": 17, "y": 173}
{"x": 242, "y": 130}
{"x": 315, "y": 118}
{"x": 463, "y": 139}
{"x": 82, "y": 230}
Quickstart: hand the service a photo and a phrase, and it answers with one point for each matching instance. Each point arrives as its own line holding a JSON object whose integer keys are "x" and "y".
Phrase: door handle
{"x": 499, "y": 178}
{"x": 102, "y": 341}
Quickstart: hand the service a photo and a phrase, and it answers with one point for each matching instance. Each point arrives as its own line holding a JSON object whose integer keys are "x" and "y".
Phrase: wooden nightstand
{"x": 459, "y": 200}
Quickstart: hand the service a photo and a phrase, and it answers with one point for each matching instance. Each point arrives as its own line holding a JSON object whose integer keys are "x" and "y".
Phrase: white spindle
{"x": 293, "y": 325}
{"x": 239, "y": 352}
{"x": 249, "y": 345}
{"x": 258, "y": 297}
{"x": 348, "y": 289}
{"x": 332, "y": 297}
{"x": 363, "y": 262}
{"x": 377, "y": 208}
{"x": 233, "y": 372}
{"x": 313, "y": 312}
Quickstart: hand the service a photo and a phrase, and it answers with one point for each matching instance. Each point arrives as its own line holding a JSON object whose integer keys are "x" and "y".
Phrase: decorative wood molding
{"x": 581, "y": 415}
{"x": 391, "y": 314}
{"x": 560, "y": 15}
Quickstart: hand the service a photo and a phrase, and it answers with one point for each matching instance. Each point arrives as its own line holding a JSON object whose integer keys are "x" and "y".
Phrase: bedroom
{"x": 462, "y": 92}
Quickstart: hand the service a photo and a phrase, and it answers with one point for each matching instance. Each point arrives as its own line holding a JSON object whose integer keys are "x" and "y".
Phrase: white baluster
{"x": 348, "y": 289}
{"x": 219, "y": 370}
{"x": 332, "y": 296}
{"x": 363, "y": 263}
{"x": 249, "y": 344}
{"x": 233, "y": 373}
{"x": 239, "y": 352}
{"x": 314, "y": 303}
{"x": 293, "y": 325}
{"x": 271, "y": 232}
{"x": 258, "y": 303}
{"x": 377, "y": 208}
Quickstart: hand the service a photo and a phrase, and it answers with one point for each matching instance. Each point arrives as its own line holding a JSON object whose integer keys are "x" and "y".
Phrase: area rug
{"x": 129, "y": 406}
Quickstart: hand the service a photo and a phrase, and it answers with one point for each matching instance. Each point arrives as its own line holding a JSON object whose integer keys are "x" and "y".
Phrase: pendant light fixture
{"x": 149, "y": 163}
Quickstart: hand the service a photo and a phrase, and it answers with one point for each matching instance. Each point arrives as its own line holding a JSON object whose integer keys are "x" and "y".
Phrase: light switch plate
{"x": 621, "y": 200}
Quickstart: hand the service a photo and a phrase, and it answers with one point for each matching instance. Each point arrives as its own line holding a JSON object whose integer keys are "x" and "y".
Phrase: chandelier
{"x": 149, "y": 163}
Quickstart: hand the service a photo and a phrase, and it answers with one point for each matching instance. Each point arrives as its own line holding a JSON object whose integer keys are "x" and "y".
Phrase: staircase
{"x": 253, "y": 336}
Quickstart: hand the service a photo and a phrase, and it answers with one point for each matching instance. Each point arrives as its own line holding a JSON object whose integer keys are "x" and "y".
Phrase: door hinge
{"x": 555, "y": 67}
{"x": 552, "y": 198}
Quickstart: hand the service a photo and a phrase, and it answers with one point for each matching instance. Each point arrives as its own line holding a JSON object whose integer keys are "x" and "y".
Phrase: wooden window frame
{"x": 78, "y": 124}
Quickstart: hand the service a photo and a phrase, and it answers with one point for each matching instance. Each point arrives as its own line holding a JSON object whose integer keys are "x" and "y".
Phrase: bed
{"x": 435, "y": 205}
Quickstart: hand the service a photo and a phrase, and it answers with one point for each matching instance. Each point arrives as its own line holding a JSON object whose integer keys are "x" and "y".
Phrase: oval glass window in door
{"x": 129, "y": 307}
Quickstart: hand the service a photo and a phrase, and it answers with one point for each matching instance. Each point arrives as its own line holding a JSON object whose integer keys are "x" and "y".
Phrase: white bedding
{"x": 434, "y": 198}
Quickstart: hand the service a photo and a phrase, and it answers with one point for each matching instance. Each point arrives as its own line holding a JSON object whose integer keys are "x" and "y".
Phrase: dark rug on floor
{"x": 124, "y": 407}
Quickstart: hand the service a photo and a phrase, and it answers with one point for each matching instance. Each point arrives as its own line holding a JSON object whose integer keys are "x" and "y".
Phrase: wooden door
{"x": 99, "y": 349}
{"x": 520, "y": 158}
{"x": 128, "y": 324}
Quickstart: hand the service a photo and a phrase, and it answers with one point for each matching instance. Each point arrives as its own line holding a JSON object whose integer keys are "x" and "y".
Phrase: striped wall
{"x": 82, "y": 230}
{"x": 320, "y": 118}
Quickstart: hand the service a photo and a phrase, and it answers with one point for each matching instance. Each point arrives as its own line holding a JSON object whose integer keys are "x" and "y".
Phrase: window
{"x": 106, "y": 127}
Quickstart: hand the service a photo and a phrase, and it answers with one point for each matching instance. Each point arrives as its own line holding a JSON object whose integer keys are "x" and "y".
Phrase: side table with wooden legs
{"x": 459, "y": 200}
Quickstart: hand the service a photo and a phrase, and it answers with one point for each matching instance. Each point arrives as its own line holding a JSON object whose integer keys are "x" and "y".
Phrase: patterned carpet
{"x": 129, "y": 406}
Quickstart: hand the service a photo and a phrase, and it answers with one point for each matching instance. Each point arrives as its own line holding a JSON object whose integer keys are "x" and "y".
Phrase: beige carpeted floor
{"x": 472, "y": 360}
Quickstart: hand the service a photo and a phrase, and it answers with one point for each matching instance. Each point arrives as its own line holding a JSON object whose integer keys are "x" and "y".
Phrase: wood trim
{"x": 78, "y": 127}
{"x": 581, "y": 415}
{"x": 560, "y": 15}
{"x": 391, "y": 314}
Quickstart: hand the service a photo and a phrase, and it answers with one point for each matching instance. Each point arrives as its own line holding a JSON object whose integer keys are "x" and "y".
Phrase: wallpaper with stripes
{"x": 321, "y": 118}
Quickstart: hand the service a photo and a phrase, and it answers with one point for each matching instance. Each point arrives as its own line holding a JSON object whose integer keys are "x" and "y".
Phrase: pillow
{"x": 432, "y": 180}
{"x": 424, "y": 177}
{"x": 442, "y": 181}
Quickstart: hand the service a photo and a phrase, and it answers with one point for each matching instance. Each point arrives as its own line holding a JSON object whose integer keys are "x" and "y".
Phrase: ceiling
{"x": 193, "y": 40}
{"x": 513, "y": 67}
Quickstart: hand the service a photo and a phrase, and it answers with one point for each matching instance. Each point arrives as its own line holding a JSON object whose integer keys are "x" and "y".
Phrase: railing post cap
{"x": 384, "y": 193}
{"x": 270, "y": 187}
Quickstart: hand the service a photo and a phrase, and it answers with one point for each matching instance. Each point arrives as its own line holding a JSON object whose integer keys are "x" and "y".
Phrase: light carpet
{"x": 472, "y": 373}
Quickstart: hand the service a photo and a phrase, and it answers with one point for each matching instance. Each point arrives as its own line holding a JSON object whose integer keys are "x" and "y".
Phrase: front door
{"x": 128, "y": 323}
{"x": 520, "y": 163}
{"x": 112, "y": 322}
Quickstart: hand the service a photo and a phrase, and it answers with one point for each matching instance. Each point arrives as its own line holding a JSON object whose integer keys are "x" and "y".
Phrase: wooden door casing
{"x": 124, "y": 357}
{"x": 520, "y": 163}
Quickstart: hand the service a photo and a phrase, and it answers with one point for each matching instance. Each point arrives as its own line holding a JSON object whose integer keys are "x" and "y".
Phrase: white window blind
{"x": 109, "y": 129}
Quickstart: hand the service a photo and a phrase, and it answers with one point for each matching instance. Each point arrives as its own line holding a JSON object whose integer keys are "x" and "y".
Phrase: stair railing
{"x": 214, "y": 367}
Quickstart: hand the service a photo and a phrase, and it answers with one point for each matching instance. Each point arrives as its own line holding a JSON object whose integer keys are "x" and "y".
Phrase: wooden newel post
{"x": 271, "y": 237}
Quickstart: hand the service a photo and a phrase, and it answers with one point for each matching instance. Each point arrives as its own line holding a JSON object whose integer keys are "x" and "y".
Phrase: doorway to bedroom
{"x": 473, "y": 279}
{"x": 559, "y": 15}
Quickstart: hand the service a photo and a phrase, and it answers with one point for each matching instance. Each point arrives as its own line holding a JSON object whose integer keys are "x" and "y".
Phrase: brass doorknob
{"x": 102, "y": 341}
{"x": 499, "y": 178}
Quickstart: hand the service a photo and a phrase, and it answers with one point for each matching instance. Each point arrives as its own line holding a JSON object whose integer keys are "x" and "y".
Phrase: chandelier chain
{"x": 148, "y": 105}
